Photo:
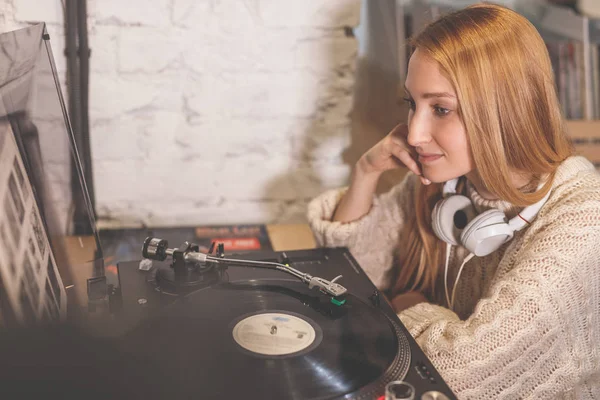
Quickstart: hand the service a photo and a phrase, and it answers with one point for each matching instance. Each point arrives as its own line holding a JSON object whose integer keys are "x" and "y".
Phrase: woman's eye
{"x": 441, "y": 111}
{"x": 410, "y": 102}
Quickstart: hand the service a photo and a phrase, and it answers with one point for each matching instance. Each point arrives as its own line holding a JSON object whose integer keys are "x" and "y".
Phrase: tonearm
{"x": 189, "y": 254}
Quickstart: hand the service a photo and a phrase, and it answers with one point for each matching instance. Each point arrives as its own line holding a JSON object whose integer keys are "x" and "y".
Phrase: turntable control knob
{"x": 155, "y": 249}
{"x": 434, "y": 395}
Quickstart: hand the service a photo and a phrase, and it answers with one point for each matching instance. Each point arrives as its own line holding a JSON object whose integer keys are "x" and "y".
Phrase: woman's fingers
{"x": 400, "y": 131}
{"x": 398, "y": 138}
{"x": 404, "y": 156}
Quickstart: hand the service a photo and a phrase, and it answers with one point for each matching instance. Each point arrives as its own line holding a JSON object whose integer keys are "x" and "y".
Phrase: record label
{"x": 274, "y": 334}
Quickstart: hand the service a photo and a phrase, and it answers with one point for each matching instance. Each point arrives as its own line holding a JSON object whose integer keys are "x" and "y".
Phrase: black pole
{"x": 73, "y": 69}
{"x": 77, "y": 103}
{"x": 84, "y": 78}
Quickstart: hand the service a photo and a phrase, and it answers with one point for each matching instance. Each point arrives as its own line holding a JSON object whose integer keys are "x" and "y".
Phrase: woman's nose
{"x": 418, "y": 131}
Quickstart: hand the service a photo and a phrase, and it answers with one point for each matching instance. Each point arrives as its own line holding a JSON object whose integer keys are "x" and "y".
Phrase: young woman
{"x": 489, "y": 249}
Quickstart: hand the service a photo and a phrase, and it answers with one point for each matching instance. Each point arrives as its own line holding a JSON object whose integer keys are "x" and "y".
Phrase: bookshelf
{"x": 573, "y": 41}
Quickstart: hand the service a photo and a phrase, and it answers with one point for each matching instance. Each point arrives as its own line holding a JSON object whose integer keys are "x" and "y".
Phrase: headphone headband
{"x": 521, "y": 219}
{"x": 528, "y": 213}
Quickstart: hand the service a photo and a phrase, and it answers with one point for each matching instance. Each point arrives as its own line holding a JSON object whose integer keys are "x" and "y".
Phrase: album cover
{"x": 235, "y": 238}
{"x": 32, "y": 287}
{"x": 125, "y": 244}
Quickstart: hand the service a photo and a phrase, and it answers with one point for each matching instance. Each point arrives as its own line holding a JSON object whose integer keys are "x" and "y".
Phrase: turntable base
{"x": 256, "y": 333}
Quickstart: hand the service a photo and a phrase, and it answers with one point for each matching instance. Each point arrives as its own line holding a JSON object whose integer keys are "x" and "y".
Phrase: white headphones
{"x": 455, "y": 221}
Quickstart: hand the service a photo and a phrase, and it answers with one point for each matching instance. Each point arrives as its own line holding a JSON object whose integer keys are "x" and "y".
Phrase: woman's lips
{"x": 429, "y": 158}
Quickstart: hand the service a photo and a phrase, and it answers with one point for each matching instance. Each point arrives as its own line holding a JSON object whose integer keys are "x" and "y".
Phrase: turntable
{"x": 263, "y": 325}
{"x": 256, "y": 326}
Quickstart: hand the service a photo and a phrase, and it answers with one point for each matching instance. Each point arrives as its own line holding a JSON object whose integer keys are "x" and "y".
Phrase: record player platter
{"x": 277, "y": 332}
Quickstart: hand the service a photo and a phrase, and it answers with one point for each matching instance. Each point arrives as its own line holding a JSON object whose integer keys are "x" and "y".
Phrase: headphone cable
{"x": 448, "y": 250}
{"x": 466, "y": 260}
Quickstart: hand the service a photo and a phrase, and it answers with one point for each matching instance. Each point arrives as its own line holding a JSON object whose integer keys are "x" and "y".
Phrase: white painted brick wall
{"x": 213, "y": 111}
{"x": 131, "y": 12}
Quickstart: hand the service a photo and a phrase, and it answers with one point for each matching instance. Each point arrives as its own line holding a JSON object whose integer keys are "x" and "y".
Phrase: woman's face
{"x": 435, "y": 130}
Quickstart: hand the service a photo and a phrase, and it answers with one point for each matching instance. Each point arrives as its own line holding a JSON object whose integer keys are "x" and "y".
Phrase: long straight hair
{"x": 499, "y": 67}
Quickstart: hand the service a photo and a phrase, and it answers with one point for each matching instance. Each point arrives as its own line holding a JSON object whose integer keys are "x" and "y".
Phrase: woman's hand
{"x": 391, "y": 152}
{"x": 406, "y": 300}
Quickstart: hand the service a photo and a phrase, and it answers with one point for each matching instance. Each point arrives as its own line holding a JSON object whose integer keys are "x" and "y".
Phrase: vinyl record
{"x": 271, "y": 339}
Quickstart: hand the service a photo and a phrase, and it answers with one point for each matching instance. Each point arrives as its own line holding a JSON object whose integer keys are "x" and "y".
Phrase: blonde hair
{"x": 499, "y": 67}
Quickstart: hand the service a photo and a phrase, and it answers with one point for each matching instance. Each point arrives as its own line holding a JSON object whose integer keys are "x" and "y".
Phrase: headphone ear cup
{"x": 486, "y": 233}
{"x": 450, "y": 216}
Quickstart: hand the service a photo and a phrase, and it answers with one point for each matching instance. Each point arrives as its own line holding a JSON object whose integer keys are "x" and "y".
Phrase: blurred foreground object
{"x": 44, "y": 269}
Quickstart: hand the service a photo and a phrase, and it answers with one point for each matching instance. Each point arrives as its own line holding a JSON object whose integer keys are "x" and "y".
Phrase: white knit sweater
{"x": 527, "y": 321}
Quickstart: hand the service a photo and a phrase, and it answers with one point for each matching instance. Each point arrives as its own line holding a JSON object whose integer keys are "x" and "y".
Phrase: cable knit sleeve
{"x": 372, "y": 238}
{"x": 534, "y": 333}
